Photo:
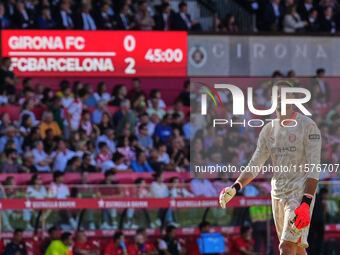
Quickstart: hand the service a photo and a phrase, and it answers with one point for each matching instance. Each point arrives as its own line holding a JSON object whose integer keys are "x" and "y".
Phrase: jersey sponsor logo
{"x": 292, "y": 138}
{"x": 283, "y": 149}
{"x": 314, "y": 137}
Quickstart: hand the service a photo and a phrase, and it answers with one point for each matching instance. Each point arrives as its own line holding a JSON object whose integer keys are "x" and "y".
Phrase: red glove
{"x": 302, "y": 216}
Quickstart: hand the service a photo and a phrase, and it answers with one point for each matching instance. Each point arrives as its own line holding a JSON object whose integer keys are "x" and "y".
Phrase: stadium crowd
{"x": 289, "y": 16}
{"x": 95, "y": 15}
{"x": 295, "y": 16}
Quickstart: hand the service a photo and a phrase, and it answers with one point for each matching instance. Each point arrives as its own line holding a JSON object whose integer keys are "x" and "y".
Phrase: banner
{"x": 122, "y": 203}
{"x": 211, "y": 55}
{"x": 95, "y": 53}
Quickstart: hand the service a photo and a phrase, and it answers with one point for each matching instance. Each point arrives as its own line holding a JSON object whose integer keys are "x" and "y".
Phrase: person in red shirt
{"x": 83, "y": 247}
{"x": 140, "y": 245}
{"x": 244, "y": 244}
{"x": 117, "y": 245}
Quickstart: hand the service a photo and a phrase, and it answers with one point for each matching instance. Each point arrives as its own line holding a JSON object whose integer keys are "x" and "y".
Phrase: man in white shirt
{"x": 41, "y": 160}
{"x": 107, "y": 137}
{"x": 61, "y": 156}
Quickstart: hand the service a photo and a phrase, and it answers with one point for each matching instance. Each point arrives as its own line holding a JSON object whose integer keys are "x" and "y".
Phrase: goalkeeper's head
{"x": 283, "y": 83}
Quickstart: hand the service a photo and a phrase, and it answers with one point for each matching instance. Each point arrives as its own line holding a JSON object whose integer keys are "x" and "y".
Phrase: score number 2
{"x": 130, "y": 45}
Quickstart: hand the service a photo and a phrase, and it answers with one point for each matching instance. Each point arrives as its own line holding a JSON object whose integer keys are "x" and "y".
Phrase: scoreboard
{"x": 95, "y": 53}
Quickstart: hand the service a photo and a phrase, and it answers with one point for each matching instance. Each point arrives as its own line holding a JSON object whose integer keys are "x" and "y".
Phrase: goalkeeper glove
{"x": 302, "y": 212}
{"x": 228, "y": 193}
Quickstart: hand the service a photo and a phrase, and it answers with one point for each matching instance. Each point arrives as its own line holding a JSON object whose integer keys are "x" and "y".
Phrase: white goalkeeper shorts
{"x": 283, "y": 213}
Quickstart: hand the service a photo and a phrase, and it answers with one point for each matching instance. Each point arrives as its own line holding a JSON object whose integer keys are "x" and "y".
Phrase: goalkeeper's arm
{"x": 259, "y": 158}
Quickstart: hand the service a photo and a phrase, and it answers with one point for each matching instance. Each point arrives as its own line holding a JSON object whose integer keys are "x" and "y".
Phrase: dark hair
{"x": 116, "y": 89}
{"x": 203, "y": 224}
{"x": 117, "y": 156}
{"x": 57, "y": 174}
{"x": 323, "y": 191}
{"x": 139, "y": 180}
{"x": 100, "y": 87}
{"x": 117, "y": 235}
{"x": 140, "y": 231}
{"x": 24, "y": 119}
{"x": 172, "y": 180}
{"x": 153, "y": 93}
{"x": 82, "y": 92}
{"x": 5, "y": 59}
{"x": 52, "y": 229}
{"x": 26, "y": 80}
{"x": 245, "y": 229}
{"x": 64, "y": 236}
{"x": 320, "y": 70}
{"x": 10, "y": 151}
{"x": 141, "y": 126}
{"x": 64, "y": 84}
{"x": 169, "y": 228}
{"x": 18, "y": 230}
{"x": 34, "y": 178}
{"x": 109, "y": 173}
{"x": 181, "y": 5}
{"x": 101, "y": 145}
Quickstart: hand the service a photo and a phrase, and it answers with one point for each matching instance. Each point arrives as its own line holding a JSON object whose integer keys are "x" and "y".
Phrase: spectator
{"x": 101, "y": 93}
{"x": 117, "y": 245}
{"x": 327, "y": 21}
{"x": 4, "y": 21}
{"x": 107, "y": 138}
{"x": 125, "y": 118}
{"x": 119, "y": 162}
{"x": 85, "y": 190}
{"x": 28, "y": 163}
{"x": 124, "y": 147}
{"x": 141, "y": 164}
{"x": 48, "y": 123}
{"x": 313, "y": 21}
{"x": 177, "y": 189}
{"x": 109, "y": 188}
{"x": 62, "y": 246}
{"x": 144, "y": 20}
{"x": 163, "y": 156}
{"x": 273, "y": 14}
{"x": 61, "y": 156}
{"x": 320, "y": 84}
{"x": 26, "y": 125}
{"x": 202, "y": 188}
{"x": 84, "y": 247}
{"x": 11, "y": 165}
{"x": 74, "y": 165}
{"x": 136, "y": 89}
{"x": 304, "y": 8}
{"x": 22, "y": 18}
{"x": 169, "y": 244}
{"x": 122, "y": 20}
{"x": 86, "y": 165}
{"x": 292, "y": 22}
{"x": 8, "y": 79}
{"x": 74, "y": 112}
{"x": 182, "y": 20}
{"x": 143, "y": 138}
{"x": 27, "y": 108}
{"x": 164, "y": 19}
{"x": 41, "y": 160}
{"x": 163, "y": 130}
{"x": 36, "y": 191}
{"x": 139, "y": 246}
{"x": 84, "y": 20}
{"x": 244, "y": 244}
{"x": 104, "y": 19}
{"x": 63, "y": 17}
{"x": 17, "y": 246}
{"x": 53, "y": 235}
{"x": 45, "y": 20}
{"x": 155, "y": 105}
{"x": 118, "y": 94}
{"x": 230, "y": 24}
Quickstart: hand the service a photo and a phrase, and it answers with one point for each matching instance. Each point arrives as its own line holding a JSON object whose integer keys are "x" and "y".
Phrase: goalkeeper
{"x": 295, "y": 144}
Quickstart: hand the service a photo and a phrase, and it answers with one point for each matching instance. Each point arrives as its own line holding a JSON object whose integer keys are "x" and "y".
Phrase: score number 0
{"x": 130, "y": 45}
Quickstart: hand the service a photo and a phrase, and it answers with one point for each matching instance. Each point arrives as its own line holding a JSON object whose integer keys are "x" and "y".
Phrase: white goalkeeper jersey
{"x": 296, "y": 149}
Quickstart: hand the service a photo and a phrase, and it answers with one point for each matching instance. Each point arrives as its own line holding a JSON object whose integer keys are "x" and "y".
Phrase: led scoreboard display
{"x": 95, "y": 53}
